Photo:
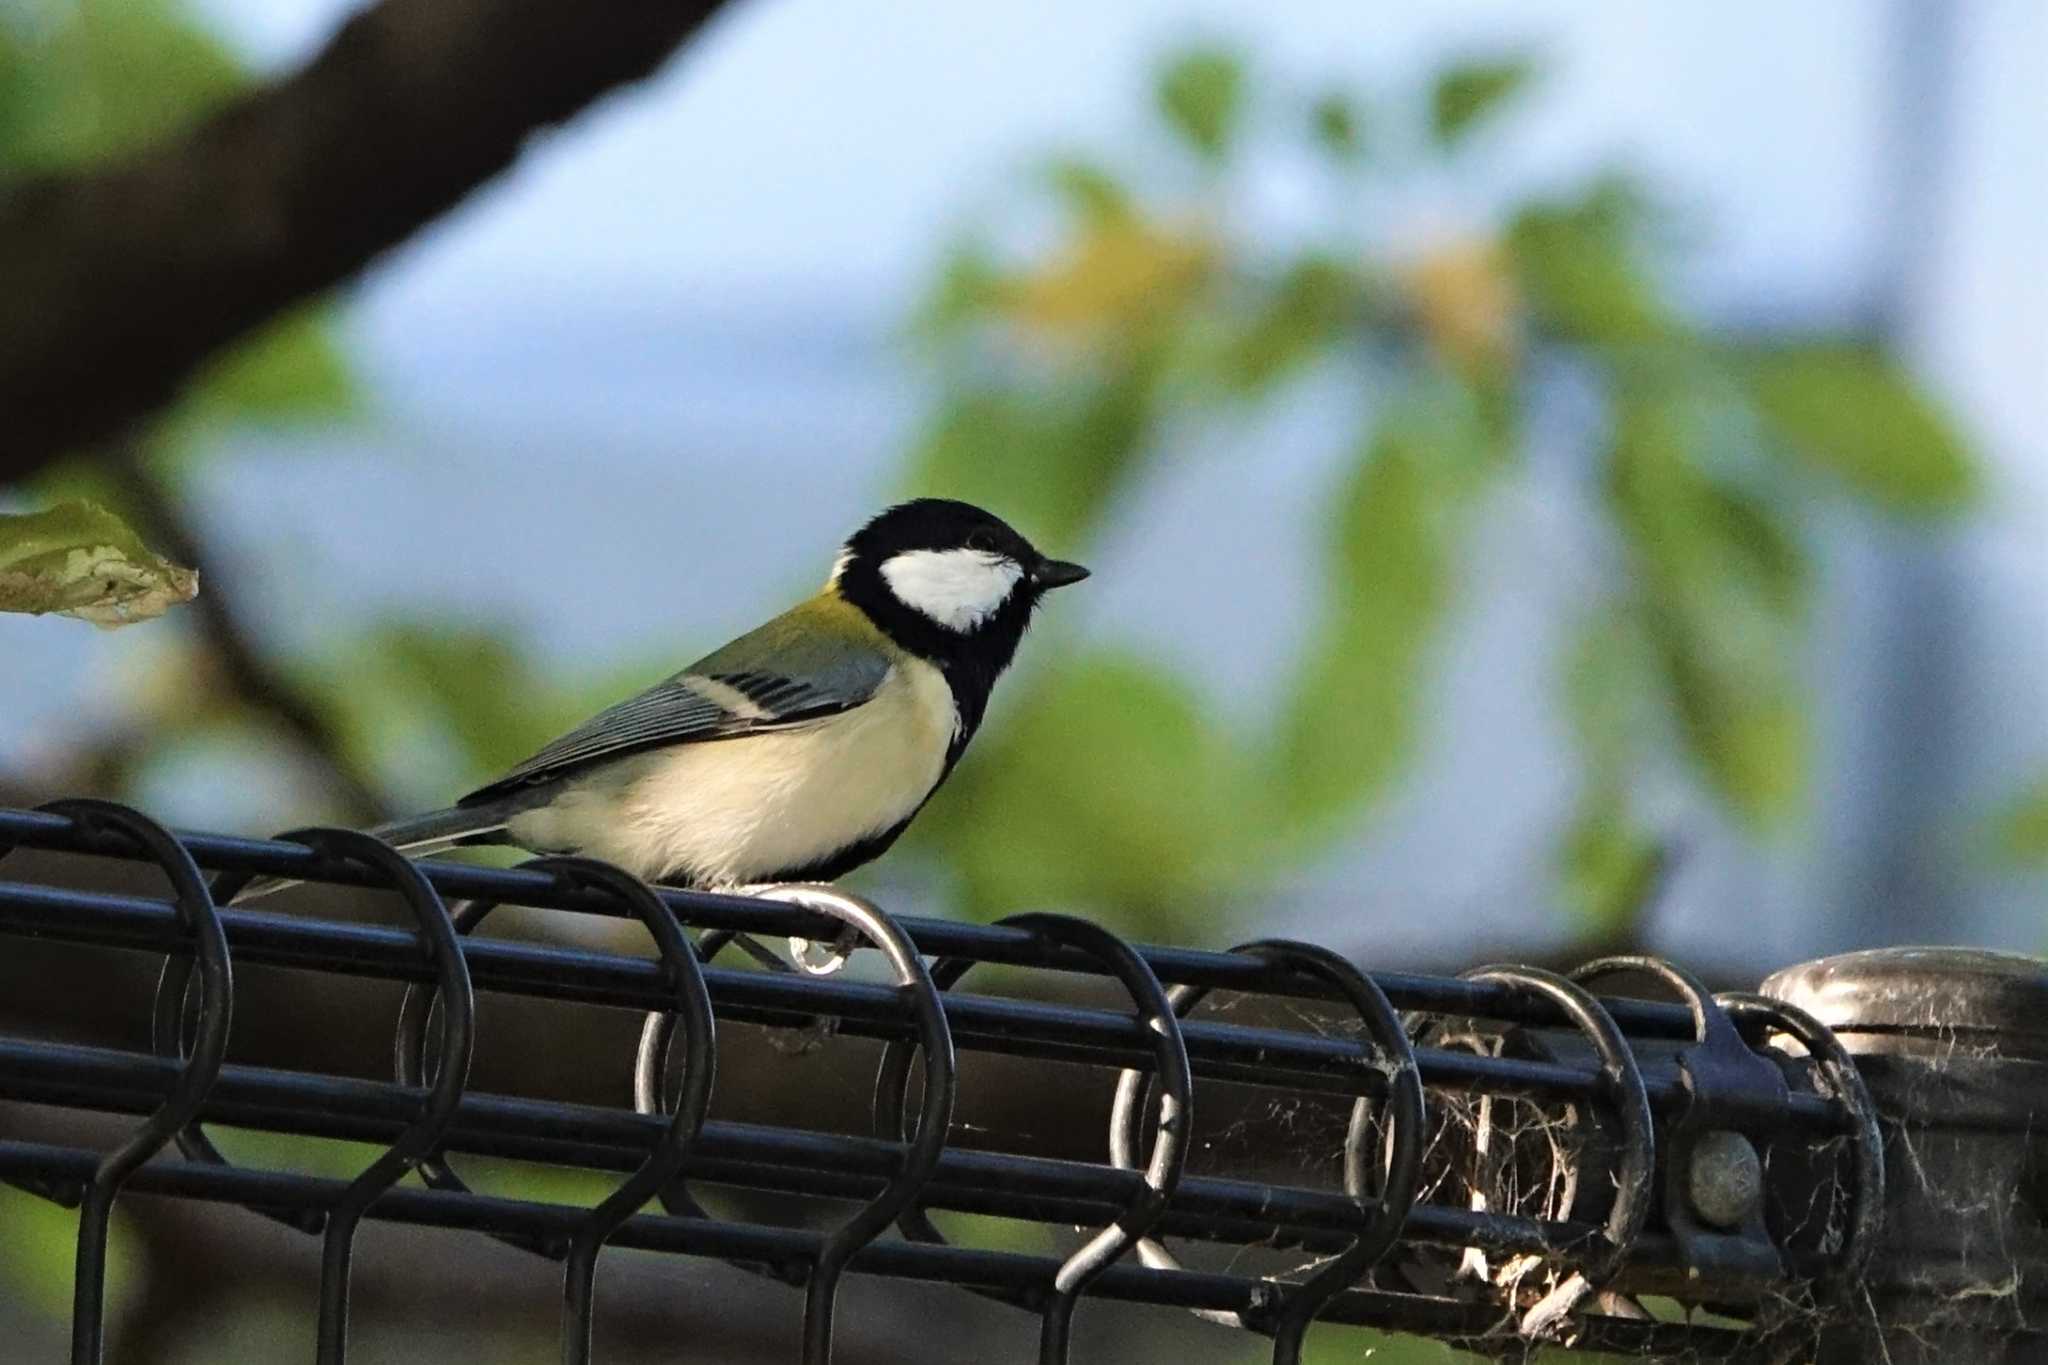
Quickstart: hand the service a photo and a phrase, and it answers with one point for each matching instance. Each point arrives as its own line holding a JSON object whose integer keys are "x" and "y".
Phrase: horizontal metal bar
{"x": 1026, "y": 1028}
{"x": 1437, "y": 1317}
{"x": 933, "y": 937}
{"x": 790, "y": 1161}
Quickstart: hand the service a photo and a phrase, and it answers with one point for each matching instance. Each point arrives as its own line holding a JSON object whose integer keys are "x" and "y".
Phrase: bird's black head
{"x": 950, "y": 583}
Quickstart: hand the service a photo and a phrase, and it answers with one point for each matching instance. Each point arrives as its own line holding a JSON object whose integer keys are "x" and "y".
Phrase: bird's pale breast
{"x": 739, "y": 810}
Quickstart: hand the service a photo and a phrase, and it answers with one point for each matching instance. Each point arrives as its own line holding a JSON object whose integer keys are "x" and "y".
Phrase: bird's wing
{"x": 815, "y": 660}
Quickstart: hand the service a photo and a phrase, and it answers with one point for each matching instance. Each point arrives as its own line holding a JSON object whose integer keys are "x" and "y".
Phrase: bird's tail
{"x": 416, "y": 836}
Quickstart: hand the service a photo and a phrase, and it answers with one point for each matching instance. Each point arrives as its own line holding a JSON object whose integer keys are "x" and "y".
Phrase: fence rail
{"x": 1524, "y": 1161}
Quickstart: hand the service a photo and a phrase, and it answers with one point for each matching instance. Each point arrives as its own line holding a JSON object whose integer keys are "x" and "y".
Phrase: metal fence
{"x": 1668, "y": 1172}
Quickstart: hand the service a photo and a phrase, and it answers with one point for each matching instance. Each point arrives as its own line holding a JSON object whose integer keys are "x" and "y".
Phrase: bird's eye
{"x": 981, "y": 540}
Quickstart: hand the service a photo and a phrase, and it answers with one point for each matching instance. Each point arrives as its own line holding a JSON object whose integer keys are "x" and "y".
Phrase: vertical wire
{"x": 200, "y": 917}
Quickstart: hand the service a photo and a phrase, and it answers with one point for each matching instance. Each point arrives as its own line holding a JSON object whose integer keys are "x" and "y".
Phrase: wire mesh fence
{"x": 1520, "y": 1162}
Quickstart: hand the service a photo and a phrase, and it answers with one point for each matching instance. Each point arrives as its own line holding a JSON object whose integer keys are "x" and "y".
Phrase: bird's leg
{"x": 808, "y": 954}
{"x": 760, "y": 952}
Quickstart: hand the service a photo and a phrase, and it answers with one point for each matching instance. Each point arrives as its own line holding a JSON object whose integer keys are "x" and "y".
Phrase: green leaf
{"x": 1339, "y": 125}
{"x": 1308, "y": 310}
{"x": 1723, "y": 600}
{"x": 1053, "y": 459}
{"x": 1609, "y": 675}
{"x": 990, "y": 1232}
{"x": 289, "y": 371}
{"x": 78, "y": 559}
{"x": 1089, "y": 190}
{"x": 1201, "y": 93}
{"x": 2022, "y": 829}
{"x": 540, "y": 1184}
{"x": 80, "y": 83}
{"x": 1850, "y": 413}
{"x": 1465, "y": 95}
{"x": 473, "y": 681}
{"x": 1724, "y": 545}
{"x": 1578, "y": 264}
{"x": 1350, "y": 719}
{"x": 42, "y": 1253}
{"x": 264, "y": 1149}
{"x": 968, "y": 286}
{"x": 1610, "y": 868}
{"x": 1108, "y": 790}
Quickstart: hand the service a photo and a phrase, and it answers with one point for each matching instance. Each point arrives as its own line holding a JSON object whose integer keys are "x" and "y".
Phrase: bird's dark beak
{"x": 1056, "y": 573}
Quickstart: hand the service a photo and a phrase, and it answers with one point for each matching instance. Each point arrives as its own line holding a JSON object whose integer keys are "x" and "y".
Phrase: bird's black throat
{"x": 970, "y": 661}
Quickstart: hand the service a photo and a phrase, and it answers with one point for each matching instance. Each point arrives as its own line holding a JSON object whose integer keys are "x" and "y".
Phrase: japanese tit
{"x": 802, "y": 749}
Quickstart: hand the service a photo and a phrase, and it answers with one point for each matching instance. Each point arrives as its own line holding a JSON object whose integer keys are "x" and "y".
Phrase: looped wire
{"x": 650, "y": 1082}
{"x": 1176, "y": 1084}
{"x": 927, "y": 1142}
{"x": 166, "y": 1031}
{"x": 892, "y": 1082}
{"x": 1401, "y": 1159}
{"x": 422, "y": 1137}
{"x": 1635, "y": 1176}
{"x": 409, "y": 1067}
{"x": 200, "y": 917}
{"x": 1709, "y": 1024}
{"x": 700, "y": 1041}
{"x": 1169, "y": 1149}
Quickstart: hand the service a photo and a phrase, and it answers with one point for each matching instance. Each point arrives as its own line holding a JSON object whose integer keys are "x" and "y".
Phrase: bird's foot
{"x": 814, "y": 957}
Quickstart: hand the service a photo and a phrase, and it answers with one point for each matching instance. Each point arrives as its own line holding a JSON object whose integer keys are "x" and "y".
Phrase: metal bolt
{"x": 1724, "y": 1179}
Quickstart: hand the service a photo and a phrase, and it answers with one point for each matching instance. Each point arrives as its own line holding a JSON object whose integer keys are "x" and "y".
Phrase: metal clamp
{"x": 1713, "y": 1175}
{"x": 1838, "y": 1070}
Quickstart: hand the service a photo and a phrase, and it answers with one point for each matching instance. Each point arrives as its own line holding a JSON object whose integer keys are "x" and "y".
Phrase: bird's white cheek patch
{"x": 959, "y": 589}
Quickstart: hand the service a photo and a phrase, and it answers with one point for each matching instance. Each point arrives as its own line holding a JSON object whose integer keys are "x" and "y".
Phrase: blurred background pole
{"x": 1953, "y": 1044}
{"x": 1917, "y": 608}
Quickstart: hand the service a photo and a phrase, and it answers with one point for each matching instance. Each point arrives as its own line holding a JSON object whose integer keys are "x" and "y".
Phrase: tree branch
{"x": 256, "y": 683}
{"x": 117, "y": 282}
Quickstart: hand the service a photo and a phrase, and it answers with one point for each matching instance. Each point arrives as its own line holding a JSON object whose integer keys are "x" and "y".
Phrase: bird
{"x": 800, "y": 750}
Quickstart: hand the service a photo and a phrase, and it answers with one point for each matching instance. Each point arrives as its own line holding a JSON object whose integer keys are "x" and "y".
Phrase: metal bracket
{"x": 1713, "y": 1183}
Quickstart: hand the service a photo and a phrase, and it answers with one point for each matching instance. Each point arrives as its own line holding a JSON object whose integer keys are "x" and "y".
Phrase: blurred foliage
{"x": 1465, "y": 94}
{"x": 1847, "y": 412}
{"x": 78, "y": 559}
{"x": 1135, "y": 802}
{"x": 1068, "y": 366}
{"x": 42, "y": 1247}
{"x": 1339, "y": 125}
{"x": 1201, "y": 93}
{"x": 1608, "y": 863}
{"x": 2021, "y": 830}
{"x": 88, "y": 80}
